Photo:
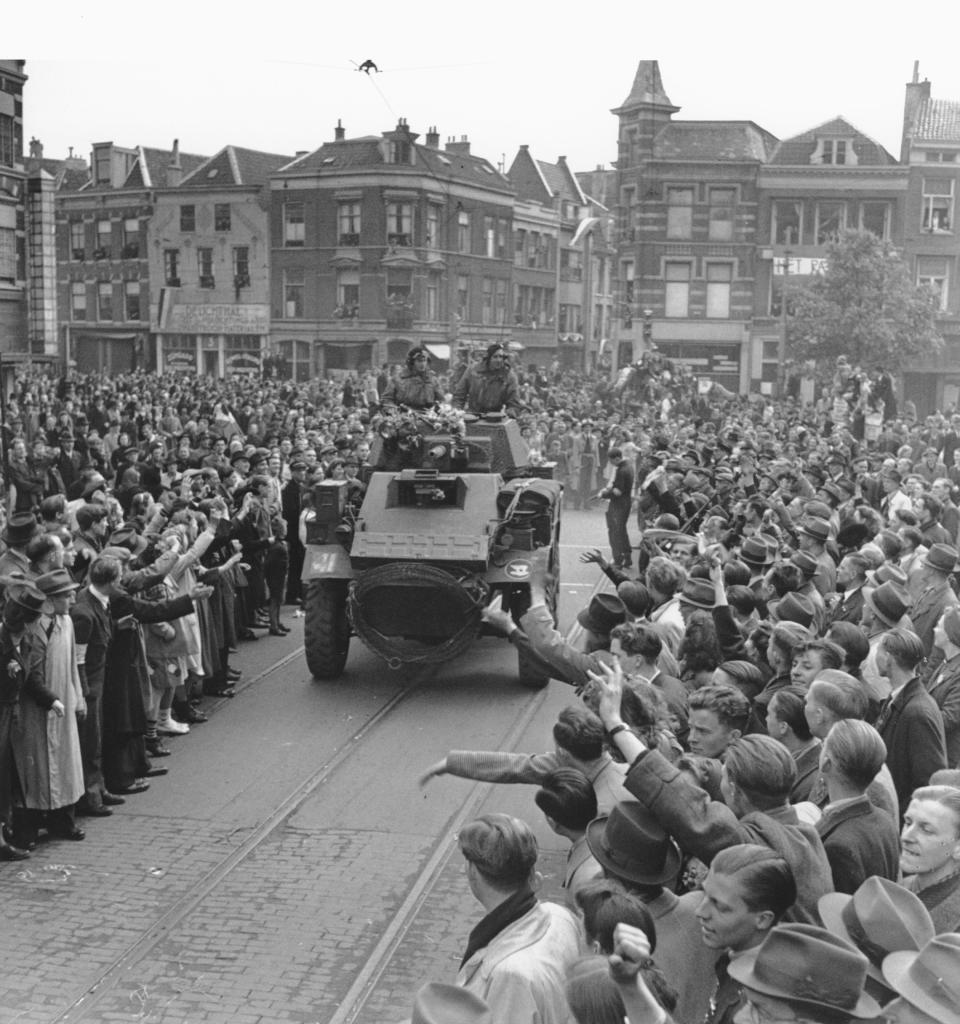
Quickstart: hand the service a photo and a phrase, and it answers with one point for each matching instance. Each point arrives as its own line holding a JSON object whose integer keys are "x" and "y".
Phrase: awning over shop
{"x": 438, "y": 351}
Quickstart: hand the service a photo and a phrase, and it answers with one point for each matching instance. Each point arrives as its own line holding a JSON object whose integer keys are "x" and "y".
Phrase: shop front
{"x": 216, "y": 341}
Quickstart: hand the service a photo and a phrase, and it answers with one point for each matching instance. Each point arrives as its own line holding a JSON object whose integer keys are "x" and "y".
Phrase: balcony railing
{"x": 79, "y": 254}
{"x": 206, "y": 281}
{"x": 131, "y": 251}
{"x": 350, "y": 239}
{"x": 101, "y": 254}
{"x": 403, "y": 240}
{"x": 399, "y": 319}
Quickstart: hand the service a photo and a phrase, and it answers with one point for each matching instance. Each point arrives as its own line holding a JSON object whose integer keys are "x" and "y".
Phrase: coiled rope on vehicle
{"x": 468, "y": 592}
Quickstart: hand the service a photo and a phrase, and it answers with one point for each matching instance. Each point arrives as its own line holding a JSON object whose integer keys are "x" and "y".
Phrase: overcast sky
{"x": 277, "y": 75}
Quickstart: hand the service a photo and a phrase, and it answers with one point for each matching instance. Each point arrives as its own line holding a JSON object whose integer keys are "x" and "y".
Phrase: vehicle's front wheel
{"x": 326, "y": 629}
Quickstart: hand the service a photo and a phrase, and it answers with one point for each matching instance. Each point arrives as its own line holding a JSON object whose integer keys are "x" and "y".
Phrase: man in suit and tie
{"x": 93, "y": 631}
{"x": 910, "y": 723}
{"x": 935, "y": 595}
{"x": 861, "y": 840}
{"x": 851, "y": 579}
{"x": 893, "y": 500}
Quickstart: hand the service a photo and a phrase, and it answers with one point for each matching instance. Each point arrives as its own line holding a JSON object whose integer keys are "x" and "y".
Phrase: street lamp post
{"x": 782, "y": 347}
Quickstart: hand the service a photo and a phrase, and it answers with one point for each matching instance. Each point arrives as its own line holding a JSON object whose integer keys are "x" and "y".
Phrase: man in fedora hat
{"x": 936, "y": 594}
{"x": 47, "y": 745}
{"x": 803, "y": 972}
{"x": 812, "y": 535}
{"x": 632, "y": 847}
{"x": 20, "y": 529}
{"x": 517, "y": 955}
{"x": 880, "y": 917}
{"x": 884, "y": 608}
{"x": 925, "y": 983}
{"x": 756, "y": 779}
{"x": 20, "y": 668}
{"x": 910, "y": 722}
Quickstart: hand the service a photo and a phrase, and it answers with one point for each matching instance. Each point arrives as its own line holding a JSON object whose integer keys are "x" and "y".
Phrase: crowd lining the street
{"x": 760, "y": 780}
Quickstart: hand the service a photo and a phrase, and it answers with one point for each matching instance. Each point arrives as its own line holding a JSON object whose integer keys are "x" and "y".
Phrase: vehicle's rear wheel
{"x": 326, "y": 629}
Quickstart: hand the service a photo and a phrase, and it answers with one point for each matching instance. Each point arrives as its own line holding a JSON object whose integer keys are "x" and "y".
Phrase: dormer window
{"x": 399, "y": 152}
{"x": 834, "y": 151}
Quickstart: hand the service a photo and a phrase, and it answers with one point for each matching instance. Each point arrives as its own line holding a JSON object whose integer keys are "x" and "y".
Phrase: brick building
{"x": 209, "y": 264}
{"x": 930, "y": 151}
{"x": 102, "y": 259}
{"x": 575, "y": 305}
{"x": 379, "y": 243}
{"x": 687, "y": 196}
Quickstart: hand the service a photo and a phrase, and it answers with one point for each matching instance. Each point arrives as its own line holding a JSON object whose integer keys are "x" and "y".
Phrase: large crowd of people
{"x": 760, "y": 782}
{"x": 760, "y": 778}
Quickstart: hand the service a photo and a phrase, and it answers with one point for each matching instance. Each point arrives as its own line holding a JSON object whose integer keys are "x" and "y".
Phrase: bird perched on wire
{"x": 367, "y": 66}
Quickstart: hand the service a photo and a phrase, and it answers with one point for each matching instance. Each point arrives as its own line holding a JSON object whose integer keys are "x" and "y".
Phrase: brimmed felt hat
{"x": 127, "y": 537}
{"x": 440, "y": 1003}
{"x": 815, "y": 527}
{"x": 887, "y": 573}
{"x": 880, "y": 918}
{"x": 793, "y": 607}
{"x": 59, "y": 581}
{"x": 806, "y": 563}
{"x": 929, "y": 979}
{"x": 604, "y": 612}
{"x": 21, "y": 528}
{"x": 697, "y": 592}
{"x": 25, "y": 594}
{"x": 889, "y": 602}
{"x": 630, "y": 843}
{"x": 942, "y": 557}
{"x": 755, "y": 552}
{"x": 809, "y": 966}
{"x": 833, "y": 490}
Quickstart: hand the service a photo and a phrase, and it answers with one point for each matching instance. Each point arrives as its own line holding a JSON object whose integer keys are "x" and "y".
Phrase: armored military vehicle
{"x": 450, "y": 515}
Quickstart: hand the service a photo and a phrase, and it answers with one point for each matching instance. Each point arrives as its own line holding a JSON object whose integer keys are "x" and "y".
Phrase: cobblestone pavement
{"x": 164, "y": 915}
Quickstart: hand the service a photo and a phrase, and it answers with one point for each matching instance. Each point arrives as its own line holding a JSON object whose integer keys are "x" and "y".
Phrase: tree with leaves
{"x": 865, "y": 306}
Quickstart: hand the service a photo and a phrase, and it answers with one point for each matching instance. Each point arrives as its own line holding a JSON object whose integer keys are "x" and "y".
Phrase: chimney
{"x": 300, "y": 153}
{"x": 174, "y": 168}
{"x": 36, "y": 149}
{"x": 75, "y": 163}
{"x": 462, "y": 147}
{"x": 339, "y": 133}
{"x": 917, "y": 93}
{"x": 433, "y": 138}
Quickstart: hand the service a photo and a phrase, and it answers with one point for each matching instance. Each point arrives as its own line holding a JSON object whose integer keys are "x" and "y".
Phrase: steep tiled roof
{"x": 157, "y": 161}
{"x": 559, "y": 179}
{"x": 334, "y": 157}
{"x": 234, "y": 165}
{"x": 939, "y": 120}
{"x": 798, "y": 150}
{"x": 713, "y": 140}
{"x": 74, "y": 179}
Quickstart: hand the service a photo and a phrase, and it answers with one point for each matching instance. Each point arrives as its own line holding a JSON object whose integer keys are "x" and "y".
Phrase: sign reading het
{"x": 803, "y": 266}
